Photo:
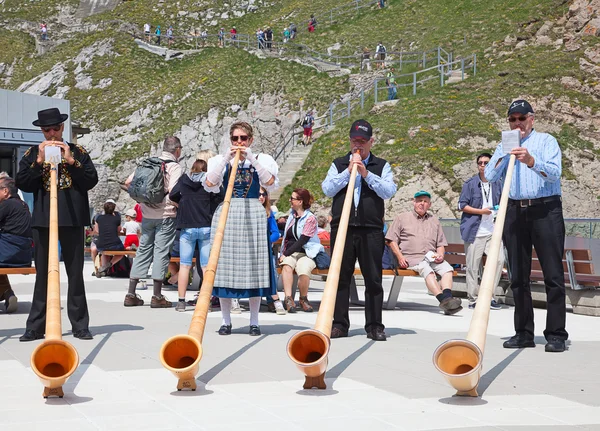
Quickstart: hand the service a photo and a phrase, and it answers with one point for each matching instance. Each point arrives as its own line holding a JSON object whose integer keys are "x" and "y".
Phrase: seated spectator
{"x": 323, "y": 234}
{"x": 417, "y": 240}
{"x": 299, "y": 248}
{"x": 94, "y": 240}
{"x": 281, "y": 219}
{"x": 132, "y": 231}
{"x": 15, "y": 237}
{"x": 108, "y": 227}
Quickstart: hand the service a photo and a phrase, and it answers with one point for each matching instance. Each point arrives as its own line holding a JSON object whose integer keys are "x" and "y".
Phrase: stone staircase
{"x": 455, "y": 76}
{"x": 288, "y": 169}
{"x": 91, "y": 7}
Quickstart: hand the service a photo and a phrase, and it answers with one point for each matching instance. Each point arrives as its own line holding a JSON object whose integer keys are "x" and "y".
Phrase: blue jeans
{"x": 187, "y": 242}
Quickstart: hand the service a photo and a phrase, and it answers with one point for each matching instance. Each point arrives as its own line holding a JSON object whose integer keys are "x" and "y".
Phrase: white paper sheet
{"x": 52, "y": 154}
{"x": 510, "y": 139}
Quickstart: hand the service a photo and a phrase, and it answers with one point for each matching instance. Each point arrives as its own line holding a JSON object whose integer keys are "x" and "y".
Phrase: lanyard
{"x": 486, "y": 191}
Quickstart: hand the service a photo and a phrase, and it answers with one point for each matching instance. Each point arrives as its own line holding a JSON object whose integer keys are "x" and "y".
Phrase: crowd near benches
{"x": 577, "y": 263}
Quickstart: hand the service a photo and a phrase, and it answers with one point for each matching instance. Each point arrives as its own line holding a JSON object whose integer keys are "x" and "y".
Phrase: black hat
{"x": 361, "y": 129}
{"x": 50, "y": 117}
{"x": 520, "y": 107}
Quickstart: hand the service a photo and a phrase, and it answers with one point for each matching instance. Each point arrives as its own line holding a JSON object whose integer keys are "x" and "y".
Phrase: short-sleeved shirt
{"x": 108, "y": 230}
{"x": 416, "y": 235}
{"x": 15, "y": 217}
{"x": 131, "y": 227}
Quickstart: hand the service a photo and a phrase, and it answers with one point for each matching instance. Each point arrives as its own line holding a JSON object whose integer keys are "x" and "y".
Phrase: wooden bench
{"x": 24, "y": 270}
{"x": 131, "y": 253}
{"x": 392, "y": 299}
{"x": 580, "y": 279}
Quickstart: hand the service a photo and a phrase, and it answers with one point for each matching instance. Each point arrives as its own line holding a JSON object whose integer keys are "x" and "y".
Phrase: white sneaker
{"x": 235, "y": 307}
{"x": 142, "y": 285}
{"x": 279, "y": 307}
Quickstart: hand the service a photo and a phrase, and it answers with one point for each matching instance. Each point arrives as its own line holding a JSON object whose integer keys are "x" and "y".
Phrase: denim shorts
{"x": 187, "y": 243}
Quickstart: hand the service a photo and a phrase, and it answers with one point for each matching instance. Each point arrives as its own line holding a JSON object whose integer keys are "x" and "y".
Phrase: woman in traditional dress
{"x": 243, "y": 268}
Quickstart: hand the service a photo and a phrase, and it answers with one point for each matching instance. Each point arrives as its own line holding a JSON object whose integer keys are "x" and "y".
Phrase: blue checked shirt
{"x": 542, "y": 180}
{"x": 384, "y": 186}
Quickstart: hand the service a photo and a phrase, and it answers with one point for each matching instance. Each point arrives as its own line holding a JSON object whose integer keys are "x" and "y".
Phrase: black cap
{"x": 520, "y": 107}
{"x": 50, "y": 117}
{"x": 361, "y": 129}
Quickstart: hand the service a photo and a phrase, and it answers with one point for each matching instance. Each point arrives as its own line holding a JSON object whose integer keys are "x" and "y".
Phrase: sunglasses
{"x": 482, "y": 163}
{"x": 295, "y": 199}
{"x": 55, "y": 128}
{"x": 242, "y": 138}
{"x": 521, "y": 118}
{"x": 262, "y": 194}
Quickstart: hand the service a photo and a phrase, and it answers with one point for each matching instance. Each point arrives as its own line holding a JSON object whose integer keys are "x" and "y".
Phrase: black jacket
{"x": 371, "y": 209}
{"x": 196, "y": 206}
{"x": 74, "y": 181}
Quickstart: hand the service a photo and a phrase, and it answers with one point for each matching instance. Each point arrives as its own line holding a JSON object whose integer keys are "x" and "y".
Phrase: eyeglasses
{"x": 262, "y": 194}
{"x": 521, "y": 118}
{"x": 242, "y": 138}
{"x": 483, "y": 163}
{"x": 295, "y": 199}
{"x": 55, "y": 128}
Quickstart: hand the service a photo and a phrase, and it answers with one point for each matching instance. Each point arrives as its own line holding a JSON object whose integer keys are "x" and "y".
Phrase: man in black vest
{"x": 364, "y": 240}
{"x": 76, "y": 175}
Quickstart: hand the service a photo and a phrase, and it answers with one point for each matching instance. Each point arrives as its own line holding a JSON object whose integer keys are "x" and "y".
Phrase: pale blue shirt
{"x": 383, "y": 185}
{"x": 529, "y": 183}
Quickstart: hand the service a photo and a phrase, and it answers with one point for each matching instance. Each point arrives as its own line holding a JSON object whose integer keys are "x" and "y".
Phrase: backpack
{"x": 306, "y": 121}
{"x": 148, "y": 183}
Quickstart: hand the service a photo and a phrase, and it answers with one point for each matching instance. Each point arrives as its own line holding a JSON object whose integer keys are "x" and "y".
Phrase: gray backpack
{"x": 148, "y": 184}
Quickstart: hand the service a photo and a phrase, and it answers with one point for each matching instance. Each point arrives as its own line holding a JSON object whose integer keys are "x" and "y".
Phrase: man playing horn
{"x": 76, "y": 175}
{"x": 534, "y": 217}
{"x": 364, "y": 240}
{"x": 417, "y": 240}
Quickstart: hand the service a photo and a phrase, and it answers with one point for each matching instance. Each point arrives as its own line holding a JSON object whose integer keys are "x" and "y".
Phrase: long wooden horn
{"x": 181, "y": 354}
{"x": 308, "y": 349}
{"x": 460, "y": 361}
{"x": 54, "y": 360}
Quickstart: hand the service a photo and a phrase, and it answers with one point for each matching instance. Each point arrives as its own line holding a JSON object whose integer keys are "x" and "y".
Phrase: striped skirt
{"x": 243, "y": 268}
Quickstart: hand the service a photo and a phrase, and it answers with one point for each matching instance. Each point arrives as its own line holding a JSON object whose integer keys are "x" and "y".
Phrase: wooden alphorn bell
{"x": 309, "y": 349}
{"x": 54, "y": 360}
{"x": 181, "y": 354}
{"x": 460, "y": 361}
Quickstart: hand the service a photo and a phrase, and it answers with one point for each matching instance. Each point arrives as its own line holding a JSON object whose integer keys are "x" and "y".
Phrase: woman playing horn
{"x": 243, "y": 268}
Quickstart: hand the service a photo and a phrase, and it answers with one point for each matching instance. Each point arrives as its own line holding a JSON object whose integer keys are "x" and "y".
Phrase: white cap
{"x": 110, "y": 201}
{"x": 131, "y": 213}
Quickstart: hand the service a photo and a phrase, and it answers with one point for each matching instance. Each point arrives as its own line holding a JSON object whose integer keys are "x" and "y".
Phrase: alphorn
{"x": 54, "y": 360}
{"x": 181, "y": 354}
{"x": 460, "y": 361}
{"x": 309, "y": 349}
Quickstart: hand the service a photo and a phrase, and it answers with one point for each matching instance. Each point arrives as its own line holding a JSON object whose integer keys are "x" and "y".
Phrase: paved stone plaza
{"x": 248, "y": 383}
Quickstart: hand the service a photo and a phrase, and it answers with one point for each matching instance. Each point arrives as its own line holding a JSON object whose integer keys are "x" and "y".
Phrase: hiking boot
{"x": 555, "y": 344}
{"x": 160, "y": 302}
{"x": 289, "y": 304}
{"x": 10, "y": 301}
{"x": 518, "y": 341}
{"x": 235, "y": 307}
{"x": 133, "y": 300}
{"x": 306, "y": 307}
{"x": 279, "y": 307}
{"x": 180, "y": 306}
{"x": 450, "y": 305}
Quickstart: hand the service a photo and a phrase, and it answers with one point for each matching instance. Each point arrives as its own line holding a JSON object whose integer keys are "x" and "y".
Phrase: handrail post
{"x": 474, "y": 64}
{"x": 438, "y": 56}
{"x": 462, "y": 69}
{"x": 331, "y": 115}
{"x": 424, "y": 59}
{"x": 349, "y": 107}
{"x": 414, "y": 83}
{"x": 442, "y": 78}
{"x": 376, "y": 85}
{"x": 362, "y": 98}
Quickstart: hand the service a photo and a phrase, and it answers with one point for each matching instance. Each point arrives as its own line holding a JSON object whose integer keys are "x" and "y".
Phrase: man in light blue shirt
{"x": 534, "y": 217}
{"x": 364, "y": 239}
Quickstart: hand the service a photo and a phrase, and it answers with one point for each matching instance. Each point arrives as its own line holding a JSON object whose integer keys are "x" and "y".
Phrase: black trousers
{"x": 72, "y": 242}
{"x": 366, "y": 245}
{"x": 543, "y": 227}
